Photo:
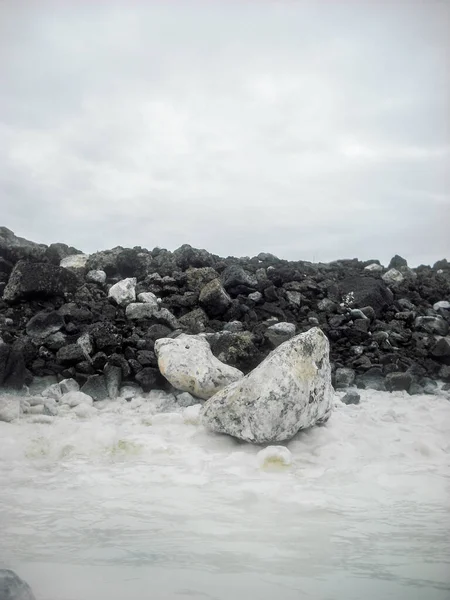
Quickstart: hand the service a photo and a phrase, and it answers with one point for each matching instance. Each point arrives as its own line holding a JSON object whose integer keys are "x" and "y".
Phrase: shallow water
{"x": 126, "y": 505}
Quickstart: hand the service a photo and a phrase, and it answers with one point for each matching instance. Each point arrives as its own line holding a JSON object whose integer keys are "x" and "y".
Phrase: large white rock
{"x": 124, "y": 291}
{"x": 289, "y": 391}
{"x": 189, "y": 365}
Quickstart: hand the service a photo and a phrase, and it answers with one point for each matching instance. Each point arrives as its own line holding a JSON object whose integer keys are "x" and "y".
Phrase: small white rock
{"x": 9, "y": 408}
{"x": 124, "y": 291}
{"x": 274, "y": 456}
{"x": 73, "y": 399}
{"x": 96, "y": 276}
{"x": 53, "y": 391}
{"x": 191, "y": 414}
{"x": 148, "y": 298}
{"x": 76, "y": 262}
{"x": 69, "y": 385}
{"x": 393, "y": 276}
{"x": 374, "y": 267}
{"x": 445, "y": 304}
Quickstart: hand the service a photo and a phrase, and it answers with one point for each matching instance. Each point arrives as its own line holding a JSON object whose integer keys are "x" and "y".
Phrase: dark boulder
{"x": 13, "y": 371}
{"x": 95, "y": 387}
{"x": 237, "y": 280}
{"x": 186, "y": 256}
{"x": 113, "y": 379}
{"x": 56, "y": 252}
{"x": 39, "y": 280}
{"x": 14, "y": 248}
{"x": 214, "y": 299}
{"x": 70, "y": 354}
{"x": 351, "y": 397}
{"x": 398, "y": 381}
{"x": 12, "y": 587}
{"x": 360, "y": 292}
{"x": 397, "y": 262}
{"x": 149, "y": 378}
{"x": 44, "y": 324}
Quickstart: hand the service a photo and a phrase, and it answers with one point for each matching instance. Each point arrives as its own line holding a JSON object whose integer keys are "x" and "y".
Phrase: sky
{"x": 313, "y": 130}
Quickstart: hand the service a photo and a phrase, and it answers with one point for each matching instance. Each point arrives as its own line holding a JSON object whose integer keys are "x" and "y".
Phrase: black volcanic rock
{"x": 30, "y": 280}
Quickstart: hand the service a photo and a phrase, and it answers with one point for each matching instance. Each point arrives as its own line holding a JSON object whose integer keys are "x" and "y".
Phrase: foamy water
{"x": 128, "y": 505}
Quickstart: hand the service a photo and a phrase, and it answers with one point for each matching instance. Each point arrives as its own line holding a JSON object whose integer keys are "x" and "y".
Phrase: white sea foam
{"x": 120, "y": 503}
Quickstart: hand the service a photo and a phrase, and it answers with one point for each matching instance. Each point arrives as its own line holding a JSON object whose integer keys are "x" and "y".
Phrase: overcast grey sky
{"x": 313, "y": 130}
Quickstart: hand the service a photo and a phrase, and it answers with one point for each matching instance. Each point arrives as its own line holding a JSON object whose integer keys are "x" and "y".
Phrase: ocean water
{"x": 125, "y": 504}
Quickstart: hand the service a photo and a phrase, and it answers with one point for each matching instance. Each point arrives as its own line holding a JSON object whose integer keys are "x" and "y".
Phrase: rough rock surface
{"x": 12, "y": 587}
{"x": 123, "y": 292}
{"x": 189, "y": 365}
{"x": 289, "y": 391}
{"x": 374, "y": 328}
{"x": 35, "y": 280}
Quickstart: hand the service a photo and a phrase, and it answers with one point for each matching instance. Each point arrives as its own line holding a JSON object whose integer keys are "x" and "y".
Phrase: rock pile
{"x": 99, "y": 319}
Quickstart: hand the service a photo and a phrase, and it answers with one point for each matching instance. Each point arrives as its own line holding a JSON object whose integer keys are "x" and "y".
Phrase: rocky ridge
{"x": 95, "y": 318}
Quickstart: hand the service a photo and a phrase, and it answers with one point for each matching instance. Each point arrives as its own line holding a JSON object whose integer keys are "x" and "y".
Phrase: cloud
{"x": 305, "y": 129}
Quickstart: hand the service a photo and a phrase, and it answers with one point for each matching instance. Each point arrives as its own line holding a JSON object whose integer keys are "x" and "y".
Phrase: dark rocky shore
{"x": 388, "y": 327}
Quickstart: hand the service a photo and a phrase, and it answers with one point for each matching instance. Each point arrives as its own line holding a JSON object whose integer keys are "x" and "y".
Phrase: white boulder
{"x": 189, "y": 365}
{"x": 289, "y": 391}
{"x": 148, "y": 298}
{"x": 124, "y": 291}
{"x": 96, "y": 276}
{"x": 445, "y": 304}
{"x": 373, "y": 267}
{"x": 393, "y": 276}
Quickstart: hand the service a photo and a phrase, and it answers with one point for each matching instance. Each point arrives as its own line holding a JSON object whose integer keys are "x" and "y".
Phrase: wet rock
{"x": 289, "y": 391}
{"x": 38, "y": 280}
{"x": 398, "y": 381}
{"x": 351, "y": 397}
{"x": 9, "y": 410}
{"x": 95, "y": 387}
{"x": 344, "y": 377}
{"x": 372, "y": 379}
{"x": 69, "y": 385}
{"x": 189, "y": 365}
{"x": 149, "y": 378}
{"x": 185, "y": 399}
{"x": 73, "y": 399}
{"x": 12, "y": 587}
